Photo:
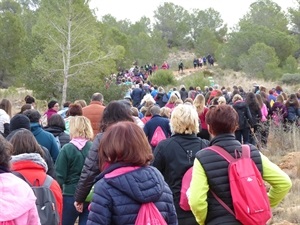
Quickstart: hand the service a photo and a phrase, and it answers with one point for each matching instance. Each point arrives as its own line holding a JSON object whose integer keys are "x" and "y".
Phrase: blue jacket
{"x": 153, "y": 123}
{"x": 45, "y": 139}
{"x": 117, "y": 199}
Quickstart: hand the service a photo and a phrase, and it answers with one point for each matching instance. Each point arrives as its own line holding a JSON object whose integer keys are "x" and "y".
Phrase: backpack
{"x": 10, "y": 222}
{"x": 185, "y": 190}
{"x": 58, "y": 142}
{"x": 149, "y": 215}
{"x": 158, "y": 136}
{"x": 165, "y": 98}
{"x": 45, "y": 200}
{"x": 249, "y": 196}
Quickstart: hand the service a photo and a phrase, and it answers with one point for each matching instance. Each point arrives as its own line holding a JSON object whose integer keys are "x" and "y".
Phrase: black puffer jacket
{"x": 216, "y": 169}
{"x": 245, "y": 118}
{"x": 173, "y": 157}
{"x": 64, "y": 138}
{"x": 89, "y": 171}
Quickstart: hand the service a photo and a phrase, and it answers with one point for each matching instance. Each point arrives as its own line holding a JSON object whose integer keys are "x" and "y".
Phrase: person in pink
{"x": 17, "y": 200}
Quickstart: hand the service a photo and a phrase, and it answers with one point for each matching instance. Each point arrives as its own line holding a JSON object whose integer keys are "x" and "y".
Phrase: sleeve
{"x": 33, "y": 216}
{"x": 54, "y": 151}
{"x": 278, "y": 179}
{"x": 146, "y": 130}
{"x": 49, "y": 161}
{"x": 198, "y": 193}
{"x": 61, "y": 167}
{"x": 100, "y": 209}
{"x": 89, "y": 171}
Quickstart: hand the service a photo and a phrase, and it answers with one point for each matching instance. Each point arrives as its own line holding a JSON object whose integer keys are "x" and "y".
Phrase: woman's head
{"x": 80, "y": 127}
{"x": 237, "y": 97}
{"x": 124, "y": 142}
{"x": 26, "y": 107}
{"x": 29, "y": 99}
{"x": 199, "y": 103}
{"x": 115, "y": 111}
{"x": 279, "y": 98}
{"x": 81, "y": 102}
{"x": 6, "y": 105}
{"x": 56, "y": 121}
{"x": 165, "y": 112}
{"x": 173, "y": 98}
{"x": 74, "y": 110}
{"x": 6, "y": 149}
{"x": 23, "y": 141}
{"x": 292, "y": 101}
{"x": 53, "y": 104}
{"x": 184, "y": 120}
{"x": 221, "y": 119}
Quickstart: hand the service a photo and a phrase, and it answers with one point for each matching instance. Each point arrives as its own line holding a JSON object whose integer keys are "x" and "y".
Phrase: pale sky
{"x": 230, "y": 10}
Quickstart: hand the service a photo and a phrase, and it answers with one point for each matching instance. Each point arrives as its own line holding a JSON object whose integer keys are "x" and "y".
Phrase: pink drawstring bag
{"x": 149, "y": 215}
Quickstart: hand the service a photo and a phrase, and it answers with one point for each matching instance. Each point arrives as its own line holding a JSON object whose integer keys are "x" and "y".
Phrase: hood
{"x": 17, "y": 197}
{"x": 35, "y": 128}
{"x": 143, "y": 184}
{"x": 54, "y": 130}
{"x": 32, "y": 157}
{"x": 240, "y": 104}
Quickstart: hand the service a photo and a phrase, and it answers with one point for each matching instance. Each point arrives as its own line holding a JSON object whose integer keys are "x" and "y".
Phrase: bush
{"x": 290, "y": 79}
{"x": 163, "y": 78}
{"x": 195, "y": 80}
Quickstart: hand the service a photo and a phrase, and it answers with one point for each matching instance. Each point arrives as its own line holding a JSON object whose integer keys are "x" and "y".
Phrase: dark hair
{"x": 115, "y": 111}
{"x": 74, "y": 110}
{"x": 51, "y": 104}
{"x": 33, "y": 115}
{"x": 6, "y": 149}
{"x": 222, "y": 119}
{"x": 56, "y": 121}
{"x": 25, "y": 107}
{"x": 124, "y": 142}
{"x": 66, "y": 104}
{"x": 292, "y": 101}
{"x": 29, "y": 99}
{"x": 251, "y": 101}
{"x": 23, "y": 141}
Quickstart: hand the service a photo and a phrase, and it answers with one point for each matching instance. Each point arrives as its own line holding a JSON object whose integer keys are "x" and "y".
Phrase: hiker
{"x": 114, "y": 112}
{"x": 156, "y": 121}
{"x": 127, "y": 181}
{"x": 53, "y": 108}
{"x": 199, "y": 103}
{"x": 222, "y": 122}
{"x": 5, "y": 115}
{"x": 69, "y": 165}
{"x": 175, "y": 155}
{"x": 94, "y": 111}
{"x": 293, "y": 110}
{"x": 74, "y": 110}
{"x": 30, "y": 100}
{"x": 17, "y": 200}
{"x": 245, "y": 119}
{"x": 180, "y": 66}
{"x": 183, "y": 92}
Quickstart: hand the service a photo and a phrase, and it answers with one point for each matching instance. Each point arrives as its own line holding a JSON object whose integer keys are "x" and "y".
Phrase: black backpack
{"x": 45, "y": 200}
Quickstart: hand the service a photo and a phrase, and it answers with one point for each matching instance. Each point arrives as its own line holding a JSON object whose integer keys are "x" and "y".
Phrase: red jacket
{"x": 32, "y": 167}
{"x": 94, "y": 112}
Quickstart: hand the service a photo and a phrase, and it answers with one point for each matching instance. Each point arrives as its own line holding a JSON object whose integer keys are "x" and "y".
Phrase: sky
{"x": 230, "y": 10}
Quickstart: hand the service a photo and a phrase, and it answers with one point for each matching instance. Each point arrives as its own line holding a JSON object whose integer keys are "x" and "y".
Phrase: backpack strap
{"x": 48, "y": 181}
{"x": 222, "y": 203}
{"x": 246, "y": 151}
{"x": 222, "y": 152}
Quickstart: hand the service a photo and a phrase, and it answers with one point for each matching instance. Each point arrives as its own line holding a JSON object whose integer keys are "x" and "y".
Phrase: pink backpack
{"x": 11, "y": 222}
{"x": 184, "y": 191}
{"x": 158, "y": 136}
{"x": 249, "y": 196}
{"x": 149, "y": 215}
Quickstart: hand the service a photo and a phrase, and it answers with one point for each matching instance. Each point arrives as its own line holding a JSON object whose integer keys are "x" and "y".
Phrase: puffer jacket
{"x": 89, "y": 171}
{"x": 216, "y": 169}
{"x": 245, "y": 118}
{"x": 119, "y": 196}
{"x": 94, "y": 112}
{"x": 17, "y": 202}
{"x": 173, "y": 157}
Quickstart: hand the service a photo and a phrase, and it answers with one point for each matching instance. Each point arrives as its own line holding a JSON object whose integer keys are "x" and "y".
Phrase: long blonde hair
{"x": 199, "y": 103}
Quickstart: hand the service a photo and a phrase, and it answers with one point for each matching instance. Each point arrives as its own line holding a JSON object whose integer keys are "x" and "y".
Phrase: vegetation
{"x": 163, "y": 78}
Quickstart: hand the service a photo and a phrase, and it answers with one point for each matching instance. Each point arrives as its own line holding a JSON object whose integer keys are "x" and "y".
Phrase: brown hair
{"x": 5, "y": 152}
{"x": 124, "y": 142}
{"x": 222, "y": 119}
{"x": 74, "y": 110}
{"x": 6, "y": 105}
{"x": 23, "y": 141}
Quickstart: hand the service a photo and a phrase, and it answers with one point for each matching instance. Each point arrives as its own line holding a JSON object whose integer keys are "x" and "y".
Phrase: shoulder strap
{"x": 222, "y": 152}
{"x": 48, "y": 181}
{"x": 17, "y": 174}
{"x": 246, "y": 151}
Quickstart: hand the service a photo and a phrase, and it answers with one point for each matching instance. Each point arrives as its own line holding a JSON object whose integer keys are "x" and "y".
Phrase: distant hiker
{"x": 180, "y": 66}
{"x": 195, "y": 62}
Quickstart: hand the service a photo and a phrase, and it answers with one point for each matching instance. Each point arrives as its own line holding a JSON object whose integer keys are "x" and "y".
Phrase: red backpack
{"x": 184, "y": 191}
{"x": 158, "y": 136}
{"x": 149, "y": 215}
{"x": 249, "y": 196}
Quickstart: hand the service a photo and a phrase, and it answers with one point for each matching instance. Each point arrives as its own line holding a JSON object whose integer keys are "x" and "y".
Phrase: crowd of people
{"x": 108, "y": 151}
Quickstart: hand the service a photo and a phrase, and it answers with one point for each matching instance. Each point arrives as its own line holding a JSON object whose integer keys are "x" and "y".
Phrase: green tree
{"x": 259, "y": 60}
{"x": 11, "y": 36}
{"x": 173, "y": 22}
{"x": 290, "y": 65}
{"x": 67, "y": 31}
{"x": 207, "y": 42}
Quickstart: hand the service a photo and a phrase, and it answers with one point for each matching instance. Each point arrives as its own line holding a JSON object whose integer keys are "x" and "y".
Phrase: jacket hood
{"x": 54, "y": 130}
{"x": 143, "y": 184}
{"x": 240, "y": 104}
{"x": 35, "y": 128}
{"x": 33, "y": 157}
{"x": 17, "y": 197}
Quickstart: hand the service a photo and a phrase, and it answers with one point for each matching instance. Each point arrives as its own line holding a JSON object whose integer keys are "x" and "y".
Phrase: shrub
{"x": 163, "y": 78}
{"x": 195, "y": 80}
{"x": 290, "y": 79}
